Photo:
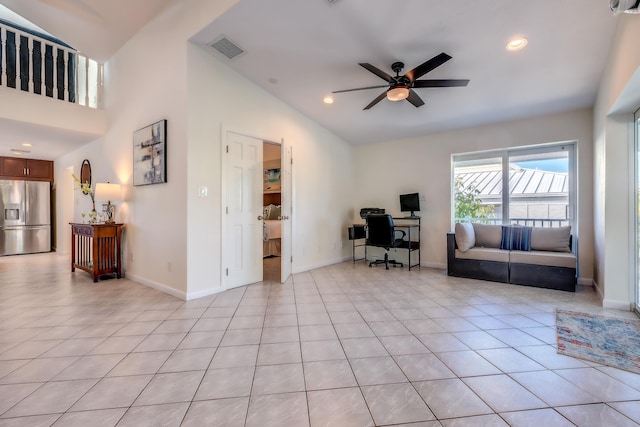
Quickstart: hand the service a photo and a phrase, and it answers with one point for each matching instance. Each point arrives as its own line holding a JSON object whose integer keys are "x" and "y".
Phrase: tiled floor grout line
{"x": 360, "y": 299}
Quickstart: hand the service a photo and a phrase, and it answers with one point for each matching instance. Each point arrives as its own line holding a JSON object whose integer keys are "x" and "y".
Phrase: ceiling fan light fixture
{"x": 516, "y": 43}
{"x": 398, "y": 93}
{"x": 625, "y": 6}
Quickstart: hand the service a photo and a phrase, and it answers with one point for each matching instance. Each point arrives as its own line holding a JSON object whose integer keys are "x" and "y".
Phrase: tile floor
{"x": 344, "y": 345}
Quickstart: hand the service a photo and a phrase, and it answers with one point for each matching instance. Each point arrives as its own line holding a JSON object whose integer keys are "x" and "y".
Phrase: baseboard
{"x": 320, "y": 265}
{"x": 203, "y": 293}
{"x": 158, "y": 286}
{"x": 609, "y": 303}
{"x": 598, "y": 291}
{"x": 617, "y": 305}
{"x": 586, "y": 281}
{"x": 434, "y": 265}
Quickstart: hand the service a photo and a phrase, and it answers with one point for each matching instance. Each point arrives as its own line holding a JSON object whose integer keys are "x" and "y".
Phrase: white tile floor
{"x": 344, "y": 345}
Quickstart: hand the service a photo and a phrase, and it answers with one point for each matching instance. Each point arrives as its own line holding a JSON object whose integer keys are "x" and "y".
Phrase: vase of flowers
{"x": 85, "y": 187}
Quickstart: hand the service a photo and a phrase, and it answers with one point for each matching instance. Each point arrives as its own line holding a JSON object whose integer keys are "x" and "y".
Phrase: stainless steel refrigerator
{"x": 25, "y": 217}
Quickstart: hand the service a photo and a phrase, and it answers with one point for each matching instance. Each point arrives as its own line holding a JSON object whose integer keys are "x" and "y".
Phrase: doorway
{"x": 272, "y": 212}
{"x": 253, "y": 194}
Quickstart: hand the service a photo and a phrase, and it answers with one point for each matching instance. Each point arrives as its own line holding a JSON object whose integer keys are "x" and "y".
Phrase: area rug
{"x": 607, "y": 340}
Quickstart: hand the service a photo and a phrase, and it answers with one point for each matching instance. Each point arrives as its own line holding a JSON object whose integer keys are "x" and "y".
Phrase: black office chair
{"x": 382, "y": 233}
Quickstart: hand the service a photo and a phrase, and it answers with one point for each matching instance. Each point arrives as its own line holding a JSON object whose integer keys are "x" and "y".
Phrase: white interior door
{"x": 242, "y": 210}
{"x": 286, "y": 203}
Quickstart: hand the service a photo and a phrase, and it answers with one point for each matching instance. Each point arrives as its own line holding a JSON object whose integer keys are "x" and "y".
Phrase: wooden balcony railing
{"x": 40, "y": 66}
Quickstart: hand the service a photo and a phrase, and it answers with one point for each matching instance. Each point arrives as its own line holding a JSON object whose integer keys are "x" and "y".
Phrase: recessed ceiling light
{"x": 26, "y": 144}
{"x": 328, "y": 100}
{"x": 516, "y": 43}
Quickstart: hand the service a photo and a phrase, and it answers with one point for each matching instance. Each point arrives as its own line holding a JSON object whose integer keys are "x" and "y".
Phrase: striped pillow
{"x": 516, "y": 238}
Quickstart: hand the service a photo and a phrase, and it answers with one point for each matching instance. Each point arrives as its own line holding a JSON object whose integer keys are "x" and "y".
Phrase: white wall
{"x": 172, "y": 235}
{"x": 423, "y": 165}
{"x": 323, "y": 169}
{"x": 51, "y": 113}
{"x": 618, "y": 98}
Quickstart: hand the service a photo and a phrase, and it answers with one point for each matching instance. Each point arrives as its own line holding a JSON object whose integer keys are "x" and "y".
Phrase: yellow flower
{"x": 85, "y": 187}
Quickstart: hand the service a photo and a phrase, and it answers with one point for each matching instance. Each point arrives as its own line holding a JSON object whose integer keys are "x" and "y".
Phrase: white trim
{"x": 158, "y": 286}
{"x": 617, "y": 305}
{"x": 435, "y": 265}
{"x": 598, "y": 290}
{"x": 304, "y": 269}
{"x": 204, "y": 293}
{"x": 586, "y": 281}
{"x": 633, "y": 206}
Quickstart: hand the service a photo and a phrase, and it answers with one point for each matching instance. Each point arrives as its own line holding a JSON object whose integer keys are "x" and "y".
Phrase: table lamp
{"x": 106, "y": 191}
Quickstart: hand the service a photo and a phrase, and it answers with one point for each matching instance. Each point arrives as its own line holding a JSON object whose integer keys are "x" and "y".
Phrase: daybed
{"x": 531, "y": 256}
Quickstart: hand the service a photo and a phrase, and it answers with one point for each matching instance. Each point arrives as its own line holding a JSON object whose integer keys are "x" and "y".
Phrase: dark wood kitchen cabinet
{"x": 28, "y": 169}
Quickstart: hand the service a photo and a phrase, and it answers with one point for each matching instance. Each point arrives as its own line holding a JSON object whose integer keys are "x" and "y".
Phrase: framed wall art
{"x": 271, "y": 179}
{"x": 150, "y": 154}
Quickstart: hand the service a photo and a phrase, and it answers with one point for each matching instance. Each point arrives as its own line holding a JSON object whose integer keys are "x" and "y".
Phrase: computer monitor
{"x": 410, "y": 203}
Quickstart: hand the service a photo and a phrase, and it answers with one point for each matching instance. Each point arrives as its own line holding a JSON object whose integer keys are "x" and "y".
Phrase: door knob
{"x": 260, "y": 218}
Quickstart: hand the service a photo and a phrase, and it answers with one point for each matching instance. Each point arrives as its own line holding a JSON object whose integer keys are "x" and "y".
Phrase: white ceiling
{"x": 313, "y": 47}
{"x": 300, "y": 51}
{"x": 97, "y": 28}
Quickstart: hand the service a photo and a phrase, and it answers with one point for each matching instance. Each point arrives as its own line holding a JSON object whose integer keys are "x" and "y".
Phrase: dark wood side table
{"x": 96, "y": 249}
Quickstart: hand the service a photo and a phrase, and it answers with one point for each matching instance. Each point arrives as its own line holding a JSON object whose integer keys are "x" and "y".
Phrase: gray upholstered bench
{"x": 531, "y": 256}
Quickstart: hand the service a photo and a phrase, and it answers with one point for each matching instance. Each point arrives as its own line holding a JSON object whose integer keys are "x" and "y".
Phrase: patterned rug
{"x": 606, "y": 340}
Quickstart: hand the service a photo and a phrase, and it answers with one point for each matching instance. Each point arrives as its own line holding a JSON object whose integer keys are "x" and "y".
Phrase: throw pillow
{"x": 520, "y": 238}
{"x": 505, "y": 242}
{"x": 465, "y": 236}
{"x": 554, "y": 239}
{"x": 488, "y": 236}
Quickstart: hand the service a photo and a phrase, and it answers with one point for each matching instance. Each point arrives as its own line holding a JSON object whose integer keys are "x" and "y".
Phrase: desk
{"x": 412, "y": 245}
{"x": 358, "y": 236}
{"x": 95, "y": 248}
{"x": 411, "y": 225}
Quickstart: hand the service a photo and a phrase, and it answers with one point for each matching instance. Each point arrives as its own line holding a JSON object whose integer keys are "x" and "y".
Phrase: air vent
{"x": 226, "y": 47}
{"x": 19, "y": 151}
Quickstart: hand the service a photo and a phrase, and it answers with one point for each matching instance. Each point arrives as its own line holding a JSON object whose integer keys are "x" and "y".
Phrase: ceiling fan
{"x": 401, "y": 87}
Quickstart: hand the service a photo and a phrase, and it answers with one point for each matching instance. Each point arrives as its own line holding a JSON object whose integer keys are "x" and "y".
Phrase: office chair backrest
{"x": 381, "y": 230}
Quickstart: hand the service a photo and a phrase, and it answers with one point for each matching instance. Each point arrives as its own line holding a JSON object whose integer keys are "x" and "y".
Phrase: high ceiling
{"x": 301, "y": 51}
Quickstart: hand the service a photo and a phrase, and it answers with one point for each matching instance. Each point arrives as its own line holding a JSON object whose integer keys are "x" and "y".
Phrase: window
{"x": 533, "y": 186}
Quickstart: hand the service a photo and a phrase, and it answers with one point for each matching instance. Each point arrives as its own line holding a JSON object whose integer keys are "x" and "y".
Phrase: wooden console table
{"x": 96, "y": 249}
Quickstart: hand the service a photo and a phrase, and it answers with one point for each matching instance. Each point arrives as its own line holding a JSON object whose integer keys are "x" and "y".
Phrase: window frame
{"x": 505, "y": 155}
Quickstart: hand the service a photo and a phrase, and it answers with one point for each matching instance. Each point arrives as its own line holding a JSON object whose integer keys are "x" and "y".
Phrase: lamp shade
{"x": 398, "y": 93}
{"x": 106, "y": 191}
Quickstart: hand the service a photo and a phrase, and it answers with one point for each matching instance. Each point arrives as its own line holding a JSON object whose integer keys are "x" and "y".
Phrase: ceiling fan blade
{"x": 377, "y": 71}
{"x": 360, "y": 88}
{"x": 415, "y": 99}
{"x": 427, "y": 66}
{"x": 380, "y": 97}
{"x": 440, "y": 83}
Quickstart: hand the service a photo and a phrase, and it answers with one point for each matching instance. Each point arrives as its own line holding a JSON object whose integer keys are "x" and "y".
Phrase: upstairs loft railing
{"x": 38, "y": 65}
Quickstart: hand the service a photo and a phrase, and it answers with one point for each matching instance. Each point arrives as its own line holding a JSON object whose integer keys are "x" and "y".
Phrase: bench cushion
{"x": 551, "y": 259}
{"x": 484, "y": 254}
